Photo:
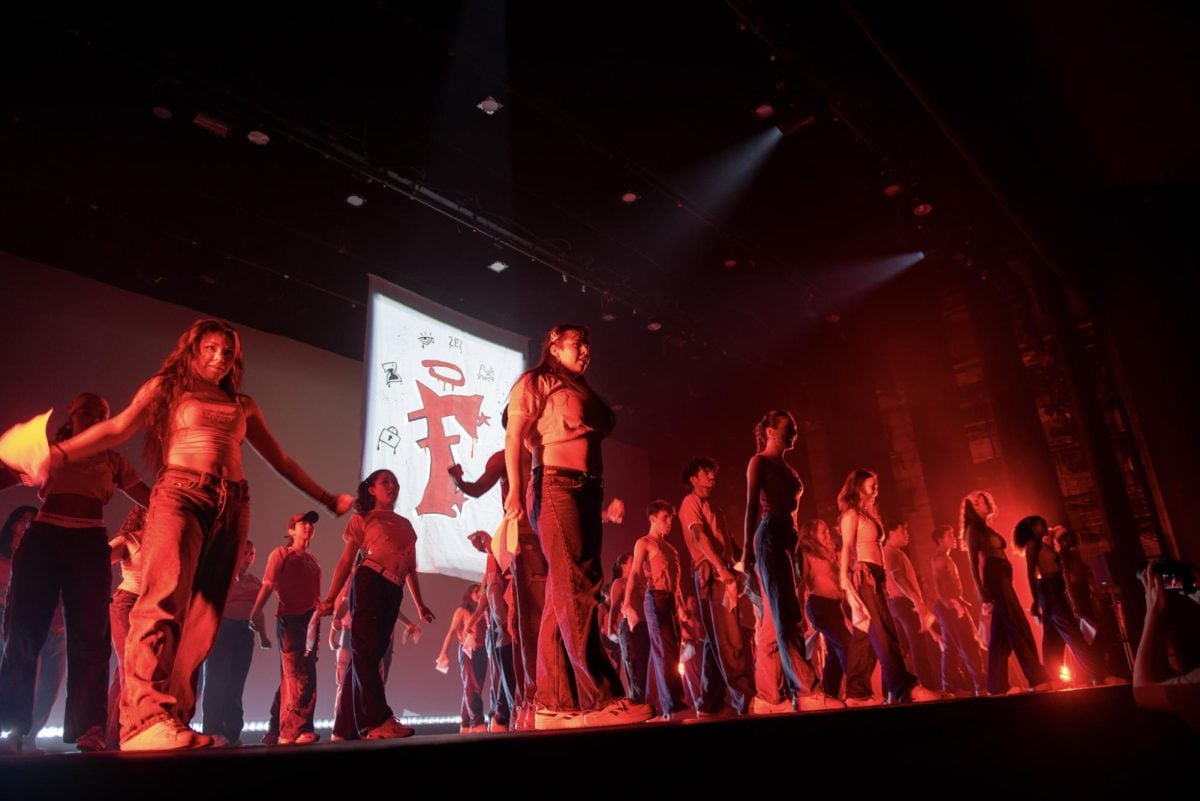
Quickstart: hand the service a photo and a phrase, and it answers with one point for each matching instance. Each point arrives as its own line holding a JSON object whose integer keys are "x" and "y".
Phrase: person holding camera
{"x": 1166, "y": 669}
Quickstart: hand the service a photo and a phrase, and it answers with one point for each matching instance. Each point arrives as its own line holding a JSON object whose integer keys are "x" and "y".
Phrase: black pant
{"x": 870, "y": 580}
{"x": 73, "y": 563}
{"x": 1010, "y": 632}
{"x": 225, "y": 673}
{"x": 374, "y": 605}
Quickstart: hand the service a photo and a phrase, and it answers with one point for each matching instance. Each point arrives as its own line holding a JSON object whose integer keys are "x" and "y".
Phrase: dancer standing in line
{"x": 992, "y": 573}
{"x": 559, "y": 418}
{"x": 773, "y": 490}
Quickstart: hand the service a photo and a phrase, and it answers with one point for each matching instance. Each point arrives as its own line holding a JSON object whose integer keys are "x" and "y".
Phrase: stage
{"x": 1093, "y": 740}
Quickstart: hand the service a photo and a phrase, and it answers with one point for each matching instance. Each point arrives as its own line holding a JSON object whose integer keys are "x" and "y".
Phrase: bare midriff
{"x": 582, "y": 453}
{"x": 206, "y": 435}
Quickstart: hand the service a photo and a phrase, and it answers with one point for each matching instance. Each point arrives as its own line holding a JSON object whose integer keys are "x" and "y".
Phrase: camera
{"x": 1176, "y": 576}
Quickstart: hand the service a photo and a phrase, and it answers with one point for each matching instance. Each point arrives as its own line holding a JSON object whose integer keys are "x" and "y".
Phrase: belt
{"x": 565, "y": 472}
{"x": 383, "y": 571}
{"x": 235, "y": 489}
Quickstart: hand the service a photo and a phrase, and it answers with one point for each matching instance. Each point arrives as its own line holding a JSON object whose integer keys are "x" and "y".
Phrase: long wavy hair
{"x": 549, "y": 365}
{"x": 769, "y": 420}
{"x": 810, "y": 543}
{"x": 7, "y": 534}
{"x": 968, "y": 518}
{"x": 468, "y": 603}
{"x": 176, "y": 375}
{"x": 66, "y": 430}
{"x": 364, "y": 501}
{"x": 851, "y": 494}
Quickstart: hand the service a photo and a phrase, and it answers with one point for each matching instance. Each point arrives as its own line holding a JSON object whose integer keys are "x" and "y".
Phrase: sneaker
{"x": 1041, "y": 687}
{"x": 619, "y": 712}
{"x": 921, "y": 694}
{"x": 548, "y": 719}
{"x": 867, "y": 700}
{"x": 496, "y": 726}
{"x": 165, "y": 735}
{"x": 684, "y": 715}
{"x": 91, "y": 740}
{"x": 817, "y": 702}
{"x": 390, "y": 729}
{"x": 307, "y": 737}
{"x": 722, "y": 713}
{"x": 270, "y": 738}
{"x": 478, "y": 728}
{"x": 760, "y": 706}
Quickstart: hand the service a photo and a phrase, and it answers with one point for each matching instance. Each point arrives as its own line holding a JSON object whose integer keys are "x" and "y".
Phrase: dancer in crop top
{"x": 196, "y": 420}
{"x": 66, "y": 551}
{"x": 992, "y": 573}
{"x": 375, "y": 595}
{"x": 772, "y": 492}
{"x": 554, "y": 414}
{"x": 862, "y": 571}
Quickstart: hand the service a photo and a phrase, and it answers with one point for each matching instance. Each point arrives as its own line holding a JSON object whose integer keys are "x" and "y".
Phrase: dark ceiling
{"x": 1020, "y": 125}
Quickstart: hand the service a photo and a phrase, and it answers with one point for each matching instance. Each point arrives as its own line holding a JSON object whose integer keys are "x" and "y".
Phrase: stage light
{"x": 162, "y": 112}
{"x": 212, "y": 125}
{"x": 764, "y": 111}
{"x": 497, "y": 267}
{"x": 922, "y": 209}
{"x": 490, "y": 105}
{"x": 654, "y": 326}
{"x": 259, "y": 137}
{"x": 607, "y": 316}
{"x": 729, "y": 264}
{"x": 355, "y": 200}
{"x": 891, "y": 190}
{"x": 630, "y": 197}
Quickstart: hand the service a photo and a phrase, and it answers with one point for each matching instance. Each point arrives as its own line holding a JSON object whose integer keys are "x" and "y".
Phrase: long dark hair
{"x": 365, "y": 501}
{"x": 968, "y": 518}
{"x": 6, "y": 533}
{"x": 851, "y": 494}
{"x": 549, "y": 365}
{"x": 811, "y": 545}
{"x": 616, "y": 568}
{"x": 468, "y": 602}
{"x": 769, "y": 420}
{"x": 66, "y": 430}
{"x": 175, "y": 376}
{"x": 1024, "y": 534}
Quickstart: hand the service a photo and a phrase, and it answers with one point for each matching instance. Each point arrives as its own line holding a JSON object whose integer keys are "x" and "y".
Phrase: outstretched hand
{"x": 342, "y": 504}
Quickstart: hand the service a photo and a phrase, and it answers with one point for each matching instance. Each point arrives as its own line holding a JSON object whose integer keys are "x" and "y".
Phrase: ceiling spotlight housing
{"x": 922, "y": 209}
{"x": 891, "y": 190}
{"x": 355, "y": 200}
{"x": 259, "y": 137}
{"x": 729, "y": 264}
{"x": 654, "y": 326}
{"x": 490, "y": 105}
{"x": 630, "y": 198}
{"x": 497, "y": 267}
{"x": 764, "y": 111}
{"x": 162, "y": 112}
{"x": 608, "y": 316}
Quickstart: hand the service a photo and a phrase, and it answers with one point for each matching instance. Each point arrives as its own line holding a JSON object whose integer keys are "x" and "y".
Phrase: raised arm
{"x": 493, "y": 471}
{"x": 272, "y": 452}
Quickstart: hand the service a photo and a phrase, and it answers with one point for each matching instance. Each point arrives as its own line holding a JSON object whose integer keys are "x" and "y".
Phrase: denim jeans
{"x": 827, "y": 617}
{"x": 917, "y": 645}
{"x": 529, "y": 595}
{"x": 870, "y": 582}
{"x": 1060, "y": 628}
{"x": 960, "y": 646}
{"x": 566, "y": 514}
{"x": 768, "y": 670}
{"x": 662, "y": 625}
{"x": 723, "y": 672}
{"x": 374, "y": 606}
{"x": 53, "y": 563}
{"x": 195, "y": 529}
{"x": 774, "y": 544}
{"x": 473, "y": 670}
{"x": 1010, "y": 630}
{"x": 118, "y": 620}
{"x": 502, "y": 683}
{"x": 225, "y": 673}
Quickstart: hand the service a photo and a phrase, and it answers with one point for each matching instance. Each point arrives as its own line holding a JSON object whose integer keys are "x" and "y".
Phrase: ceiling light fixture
{"x": 764, "y": 111}
{"x": 490, "y": 105}
{"x": 891, "y": 190}
{"x": 922, "y": 209}
{"x": 655, "y": 326}
{"x": 497, "y": 267}
{"x": 355, "y": 200}
{"x": 630, "y": 198}
{"x": 259, "y": 137}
